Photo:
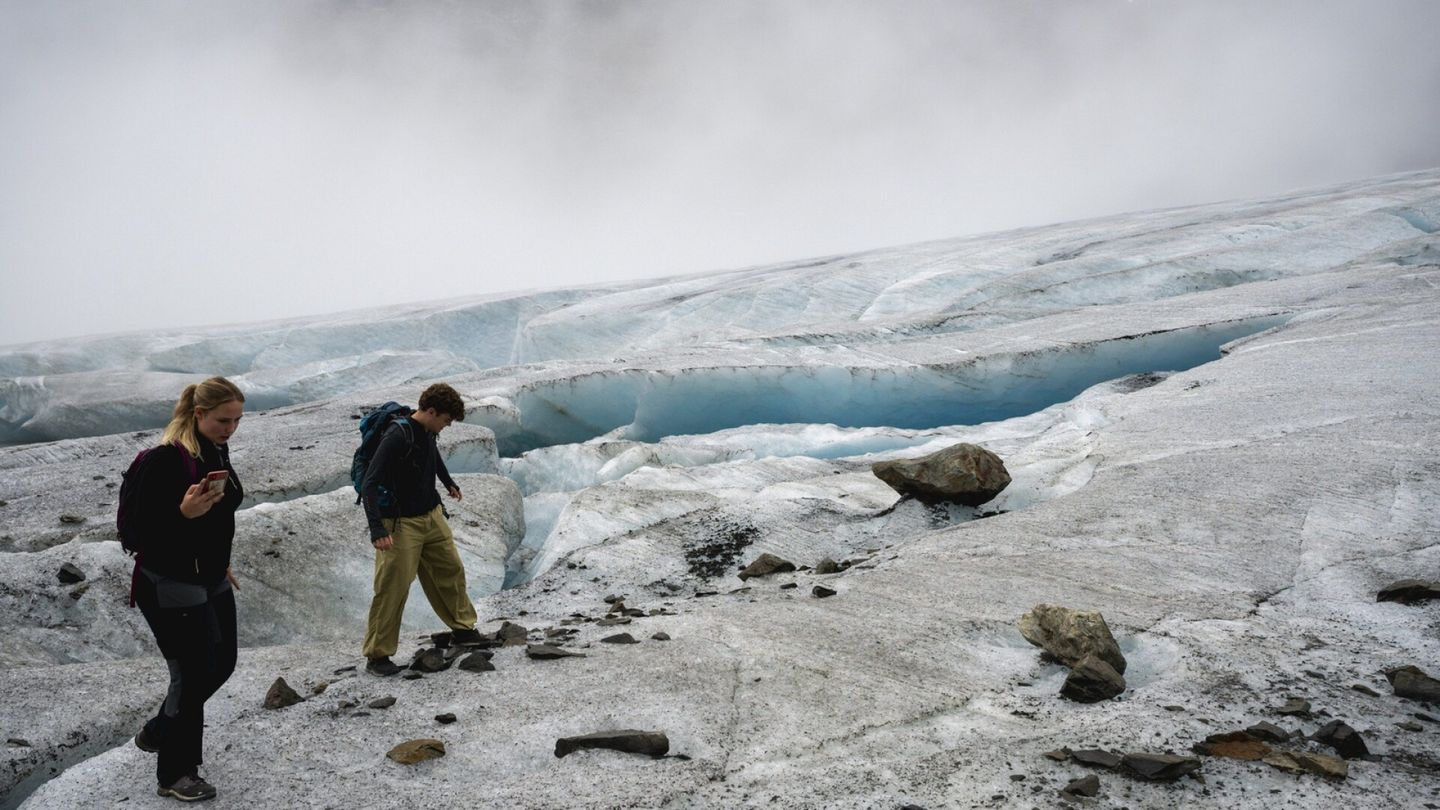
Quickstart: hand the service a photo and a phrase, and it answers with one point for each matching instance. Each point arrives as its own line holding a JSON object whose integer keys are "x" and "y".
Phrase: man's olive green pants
{"x": 424, "y": 546}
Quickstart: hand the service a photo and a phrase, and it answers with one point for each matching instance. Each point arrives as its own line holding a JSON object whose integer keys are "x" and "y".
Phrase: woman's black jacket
{"x": 195, "y": 550}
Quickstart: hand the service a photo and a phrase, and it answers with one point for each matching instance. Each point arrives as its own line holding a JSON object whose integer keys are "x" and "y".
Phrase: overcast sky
{"x": 180, "y": 163}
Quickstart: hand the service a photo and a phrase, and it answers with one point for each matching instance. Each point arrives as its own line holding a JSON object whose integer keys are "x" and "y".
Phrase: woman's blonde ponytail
{"x": 182, "y": 430}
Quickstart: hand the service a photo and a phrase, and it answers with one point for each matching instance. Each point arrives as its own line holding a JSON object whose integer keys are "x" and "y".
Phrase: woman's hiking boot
{"x": 188, "y": 788}
{"x": 145, "y": 742}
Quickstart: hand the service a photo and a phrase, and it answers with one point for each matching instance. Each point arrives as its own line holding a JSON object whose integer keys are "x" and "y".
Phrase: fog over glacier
{"x": 1220, "y": 422}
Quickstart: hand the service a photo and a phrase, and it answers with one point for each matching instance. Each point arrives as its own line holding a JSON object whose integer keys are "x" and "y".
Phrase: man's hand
{"x": 456, "y": 494}
{"x": 383, "y": 544}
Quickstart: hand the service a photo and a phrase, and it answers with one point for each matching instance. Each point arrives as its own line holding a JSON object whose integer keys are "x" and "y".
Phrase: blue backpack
{"x": 372, "y": 429}
{"x": 127, "y": 514}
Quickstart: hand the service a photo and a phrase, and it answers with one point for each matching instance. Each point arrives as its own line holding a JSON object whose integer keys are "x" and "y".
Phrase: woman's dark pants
{"x": 195, "y": 628}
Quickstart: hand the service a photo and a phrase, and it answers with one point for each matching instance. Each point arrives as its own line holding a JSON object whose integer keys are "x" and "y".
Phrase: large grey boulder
{"x": 1072, "y": 635}
{"x": 963, "y": 473}
{"x": 1412, "y": 682}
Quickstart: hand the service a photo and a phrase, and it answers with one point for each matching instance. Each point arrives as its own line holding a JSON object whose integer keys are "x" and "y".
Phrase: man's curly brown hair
{"x": 444, "y": 400}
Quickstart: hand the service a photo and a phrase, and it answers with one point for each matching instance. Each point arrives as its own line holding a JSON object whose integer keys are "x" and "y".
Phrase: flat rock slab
{"x": 1234, "y": 745}
{"x": 413, "y": 751}
{"x": 1097, "y": 758}
{"x": 1159, "y": 767}
{"x": 651, "y": 743}
{"x": 549, "y": 652}
{"x": 1304, "y": 762}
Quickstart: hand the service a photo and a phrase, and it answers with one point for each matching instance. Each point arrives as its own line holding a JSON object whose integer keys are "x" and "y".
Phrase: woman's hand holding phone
{"x": 200, "y": 497}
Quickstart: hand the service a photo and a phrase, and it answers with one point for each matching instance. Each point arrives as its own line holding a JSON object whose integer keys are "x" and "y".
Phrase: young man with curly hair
{"x": 409, "y": 533}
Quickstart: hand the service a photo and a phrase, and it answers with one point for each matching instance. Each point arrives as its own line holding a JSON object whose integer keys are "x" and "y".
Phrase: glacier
{"x": 1220, "y": 422}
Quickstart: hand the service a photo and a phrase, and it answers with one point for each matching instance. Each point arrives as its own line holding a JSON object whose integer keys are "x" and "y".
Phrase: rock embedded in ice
{"x": 651, "y": 743}
{"x": 445, "y": 719}
{"x": 661, "y": 636}
{"x": 1408, "y": 591}
{"x": 1295, "y": 707}
{"x": 964, "y": 473}
{"x": 765, "y": 565}
{"x": 1072, "y": 635}
{"x": 1159, "y": 767}
{"x": 619, "y": 638}
{"x": 69, "y": 574}
{"x": 412, "y": 751}
{"x": 477, "y": 662}
{"x": 1346, "y": 741}
{"x": 549, "y": 652}
{"x": 1084, "y": 786}
{"x": 821, "y": 592}
{"x": 1412, "y": 682}
{"x": 827, "y": 566}
{"x": 382, "y": 703}
{"x": 1091, "y": 681}
{"x": 281, "y": 695}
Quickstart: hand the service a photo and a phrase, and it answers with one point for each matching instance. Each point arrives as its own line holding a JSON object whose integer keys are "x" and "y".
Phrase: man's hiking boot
{"x": 188, "y": 789}
{"x": 145, "y": 742}
{"x": 381, "y": 666}
{"x": 466, "y": 637}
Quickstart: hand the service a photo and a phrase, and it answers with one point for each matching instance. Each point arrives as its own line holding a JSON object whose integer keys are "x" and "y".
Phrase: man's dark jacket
{"x": 406, "y": 465}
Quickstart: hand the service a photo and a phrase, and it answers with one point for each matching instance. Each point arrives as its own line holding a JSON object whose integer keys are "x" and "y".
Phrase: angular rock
{"x": 1346, "y": 741}
{"x": 1268, "y": 732}
{"x": 1159, "y": 767}
{"x": 381, "y": 703}
{"x": 281, "y": 695}
{"x": 1409, "y": 591}
{"x": 827, "y": 566}
{"x": 430, "y": 660}
{"x": 821, "y": 592}
{"x": 618, "y": 620}
{"x": 1072, "y": 635}
{"x": 511, "y": 635}
{"x": 963, "y": 473}
{"x": 1302, "y": 762}
{"x": 1092, "y": 681}
{"x": 549, "y": 652}
{"x": 477, "y": 662}
{"x": 652, "y": 743}
{"x": 765, "y": 565}
{"x": 1097, "y": 758}
{"x": 69, "y": 574}
{"x": 619, "y": 638}
{"x": 1084, "y": 786}
{"x": 1412, "y": 682}
{"x": 413, "y": 751}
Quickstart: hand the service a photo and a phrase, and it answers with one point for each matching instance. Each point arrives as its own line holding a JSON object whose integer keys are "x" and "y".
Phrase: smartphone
{"x": 216, "y": 479}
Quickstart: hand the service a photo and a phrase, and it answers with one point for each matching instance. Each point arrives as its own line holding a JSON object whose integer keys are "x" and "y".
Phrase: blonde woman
{"x": 187, "y": 496}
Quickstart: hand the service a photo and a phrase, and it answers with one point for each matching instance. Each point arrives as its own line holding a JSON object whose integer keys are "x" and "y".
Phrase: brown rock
{"x": 413, "y": 751}
{"x": 1302, "y": 762}
{"x": 1412, "y": 682}
{"x": 281, "y": 695}
{"x": 1085, "y": 786}
{"x": 1072, "y": 635}
{"x": 963, "y": 473}
{"x": 766, "y": 564}
{"x": 1234, "y": 745}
